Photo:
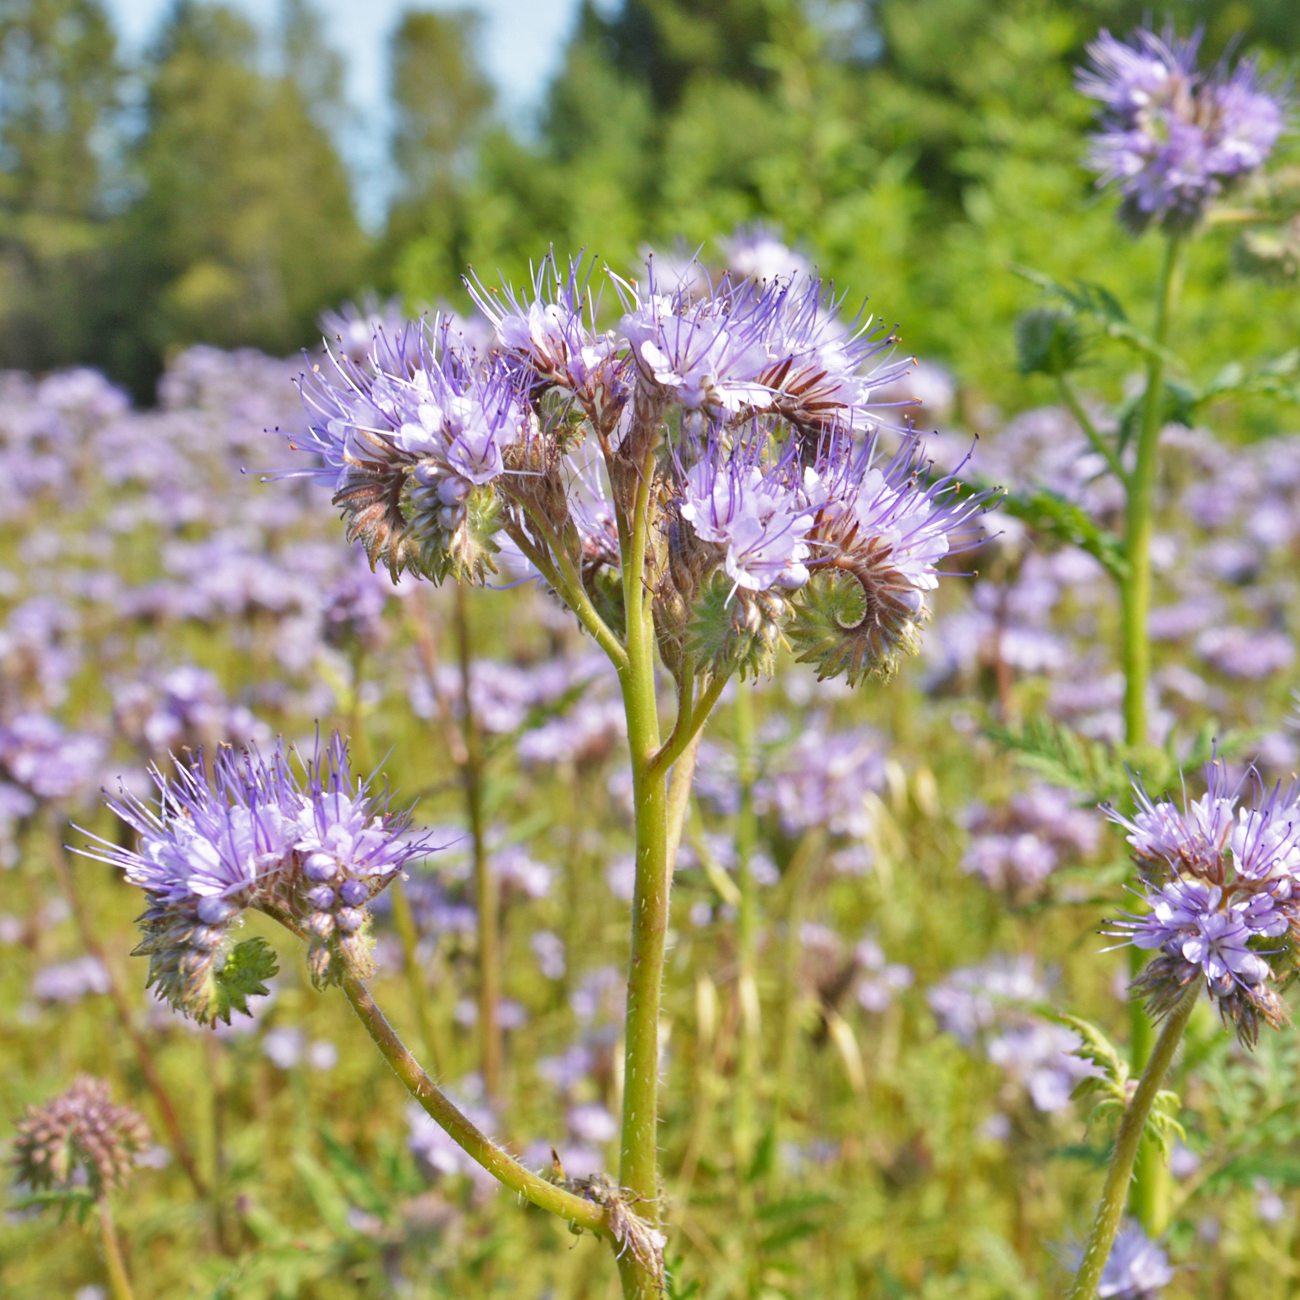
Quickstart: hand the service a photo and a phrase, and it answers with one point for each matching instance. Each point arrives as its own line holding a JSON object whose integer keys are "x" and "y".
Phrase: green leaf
{"x": 1279, "y": 378}
{"x": 1056, "y": 752}
{"x": 674, "y": 1287}
{"x": 1051, "y": 513}
{"x": 1095, "y": 1048}
{"x": 1100, "y": 308}
{"x": 244, "y": 975}
{"x": 764, "y": 1157}
{"x": 327, "y": 1195}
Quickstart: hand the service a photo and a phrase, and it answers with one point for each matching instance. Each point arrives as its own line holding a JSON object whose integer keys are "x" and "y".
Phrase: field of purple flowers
{"x": 893, "y": 964}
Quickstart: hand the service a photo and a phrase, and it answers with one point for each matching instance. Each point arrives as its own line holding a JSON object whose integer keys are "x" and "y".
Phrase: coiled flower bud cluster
{"x": 306, "y": 844}
{"x": 78, "y": 1139}
{"x": 1222, "y": 881}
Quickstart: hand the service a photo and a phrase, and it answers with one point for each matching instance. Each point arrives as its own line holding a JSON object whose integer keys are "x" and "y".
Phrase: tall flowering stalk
{"x": 1220, "y": 878}
{"x": 1172, "y": 139}
{"x": 699, "y": 486}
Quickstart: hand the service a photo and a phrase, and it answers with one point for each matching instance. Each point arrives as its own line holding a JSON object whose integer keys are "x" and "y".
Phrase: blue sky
{"x": 522, "y": 43}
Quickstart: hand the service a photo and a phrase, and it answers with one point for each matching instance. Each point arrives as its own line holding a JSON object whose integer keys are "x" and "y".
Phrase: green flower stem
{"x": 117, "y": 1275}
{"x": 569, "y": 586}
{"x": 1099, "y": 443}
{"x": 1136, "y": 589}
{"x": 486, "y": 893}
{"x": 747, "y": 1062}
{"x": 679, "y": 797}
{"x": 1115, "y": 1193}
{"x": 144, "y": 1055}
{"x": 1150, "y": 1185}
{"x": 638, "y": 1167}
{"x": 508, "y": 1171}
{"x": 685, "y": 735}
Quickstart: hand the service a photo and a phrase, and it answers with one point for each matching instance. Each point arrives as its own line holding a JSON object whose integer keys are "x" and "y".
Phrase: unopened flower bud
{"x": 78, "y": 1138}
{"x": 453, "y": 491}
{"x": 450, "y": 516}
{"x": 427, "y": 474}
{"x": 321, "y": 925}
{"x": 356, "y": 952}
{"x": 321, "y": 898}
{"x": 215, "y": 911}
{"x": 354, "y": 892}
{"x": 351, "y": 918}
{"x": 321, "y": 867}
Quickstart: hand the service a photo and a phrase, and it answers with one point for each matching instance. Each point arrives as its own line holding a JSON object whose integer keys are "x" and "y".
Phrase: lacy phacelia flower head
{"x": 1223, "y": 896}
{"x": 406, "y": 438}
{"x": 748, "y": 409}
{"x": 775, "y": 346}
{"x": 1173, "y": 138}
{"x": 78, "y": 1139}
{"x": 250, "y": 832}
{"x": 553, "y": 335}
{"x": 754, "y": 513}
{"x": 879, "y": 534}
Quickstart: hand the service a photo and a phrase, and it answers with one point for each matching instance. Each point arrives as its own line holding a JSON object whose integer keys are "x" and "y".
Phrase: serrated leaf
{"x": 1060, "y": 755}
{"x": 1162, "y": 1123}
{"x": 1097, "y": 305}
{"x": 1051, "y": 513}
{"x": 1095, "y": 1047}
{"x": 247, "y": 968}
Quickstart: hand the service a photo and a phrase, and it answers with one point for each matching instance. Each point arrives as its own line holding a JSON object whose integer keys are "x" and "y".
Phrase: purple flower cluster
{"x": 441, "y": 454}
{"x": 1219, "y": 882}
{"x": 992, "y": 1006}
{"x": 1172, "y": 138}
{"x": 47, "y": 762}
{"x": 567, "y": 709}
{"x": 251, "y": 832}
{"x": 186, "y": 710}
{"x": 1017, "y": 846}
{"x": 823, "y": 778}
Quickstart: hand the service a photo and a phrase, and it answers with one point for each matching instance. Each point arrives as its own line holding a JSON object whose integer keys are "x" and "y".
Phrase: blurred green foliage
{"x": 917, "y": 148}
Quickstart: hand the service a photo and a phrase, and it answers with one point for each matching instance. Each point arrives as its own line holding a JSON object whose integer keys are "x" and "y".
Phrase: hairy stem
{"x": 688, "y": 731}
{"x": 679, "y": 798}
{"x": 1150, "y": 1186}
{"x": 1099, "y": 443}
{"x": 117, "y": 1275}
{"x": 748, "y": 1063}
{"x": 144, "y": 1055}
{"x": 503, "y": 1167}
{"x": 558, "y": 570}
{"x": 638, "y": 1167}
{"x": 1136, "y": 589}
{"x": 1115, "y": 1192}
{"x": 486, "y": 894}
